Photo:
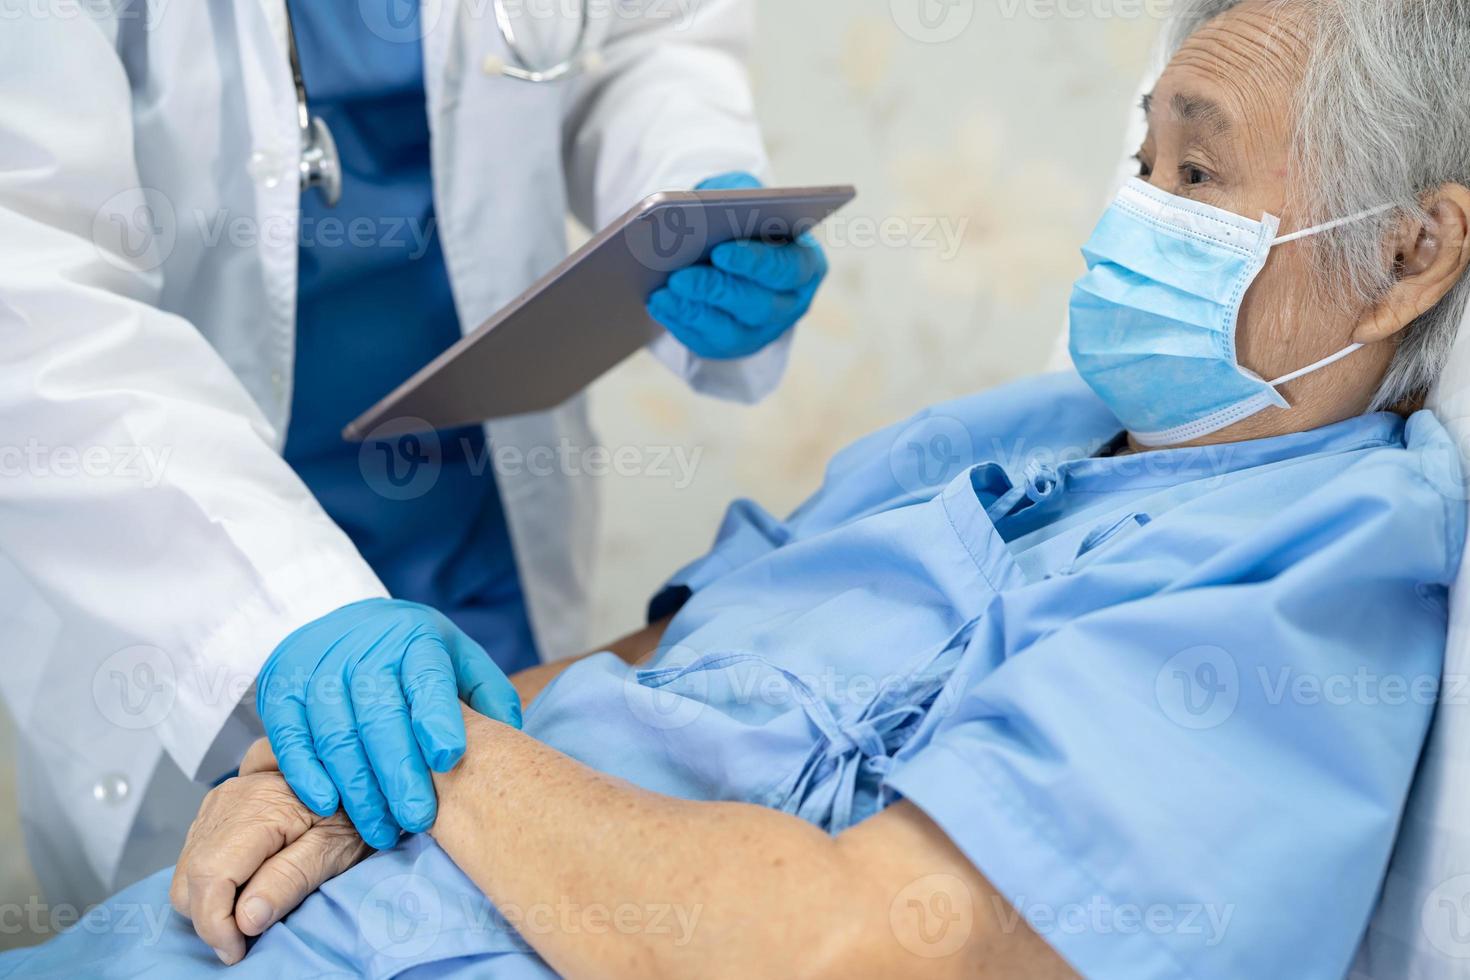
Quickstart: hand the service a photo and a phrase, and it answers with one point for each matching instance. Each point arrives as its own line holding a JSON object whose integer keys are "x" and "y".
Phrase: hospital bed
{"x": 1422, "y": 927}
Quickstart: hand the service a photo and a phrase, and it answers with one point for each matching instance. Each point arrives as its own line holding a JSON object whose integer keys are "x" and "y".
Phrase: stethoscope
{"x": 320, "y": 165}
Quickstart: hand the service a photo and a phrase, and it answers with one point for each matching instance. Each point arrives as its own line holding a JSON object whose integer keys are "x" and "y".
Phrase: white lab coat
{"x": 154, "y": 547}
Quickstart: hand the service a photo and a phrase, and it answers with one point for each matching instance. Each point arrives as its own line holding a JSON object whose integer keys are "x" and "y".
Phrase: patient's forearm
{"x": 606, "y": 880}
{"x": 682, "y": 889}
{"x": 631, "y": 648}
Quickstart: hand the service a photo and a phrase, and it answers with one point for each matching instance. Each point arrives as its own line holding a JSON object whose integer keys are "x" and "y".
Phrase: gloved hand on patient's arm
{"x": 746, "y": 296}
{"x": 362, "y": 703}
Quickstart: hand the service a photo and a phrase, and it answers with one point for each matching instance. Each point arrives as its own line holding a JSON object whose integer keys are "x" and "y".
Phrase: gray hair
{"x": 1382, "y": 117}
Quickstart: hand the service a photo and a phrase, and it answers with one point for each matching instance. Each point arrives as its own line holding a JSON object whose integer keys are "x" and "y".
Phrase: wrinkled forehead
{"x": 1241, "y": 71}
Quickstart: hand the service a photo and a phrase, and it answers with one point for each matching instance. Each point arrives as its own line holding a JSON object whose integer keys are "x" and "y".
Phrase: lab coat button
{"x": 265, "y": 168}
{"x": 111, "y": 788}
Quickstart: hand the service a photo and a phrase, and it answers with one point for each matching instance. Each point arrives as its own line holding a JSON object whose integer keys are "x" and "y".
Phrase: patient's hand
{"x": 254, "y": 853}
{"x": 260, "y": 757}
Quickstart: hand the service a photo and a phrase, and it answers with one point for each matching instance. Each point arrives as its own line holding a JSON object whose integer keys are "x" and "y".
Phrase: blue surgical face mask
{"x": 1154, "y": 319}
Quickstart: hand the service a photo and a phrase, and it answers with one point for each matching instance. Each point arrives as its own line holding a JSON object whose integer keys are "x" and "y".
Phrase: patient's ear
{"x": 1429, "y": 257}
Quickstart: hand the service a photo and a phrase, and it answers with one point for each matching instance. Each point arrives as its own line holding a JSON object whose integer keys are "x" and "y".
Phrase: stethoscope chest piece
{"x": 321, "y": 167}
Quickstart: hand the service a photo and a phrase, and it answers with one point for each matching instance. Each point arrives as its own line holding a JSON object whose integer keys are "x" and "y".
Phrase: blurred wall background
{"x": 983, "y": 136}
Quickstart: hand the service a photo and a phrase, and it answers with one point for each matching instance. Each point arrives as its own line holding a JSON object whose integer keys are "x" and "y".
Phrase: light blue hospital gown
{"x": 1169, "y": 704}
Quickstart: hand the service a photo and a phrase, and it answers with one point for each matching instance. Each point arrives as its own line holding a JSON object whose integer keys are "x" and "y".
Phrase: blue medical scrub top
{"x": 374, "y": 305}
{"x": 1169, "y": 704}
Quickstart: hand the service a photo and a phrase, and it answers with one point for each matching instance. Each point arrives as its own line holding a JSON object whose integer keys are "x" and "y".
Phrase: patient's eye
{"x": 1145, "y": 169}
{"x": 1194, "y": 176}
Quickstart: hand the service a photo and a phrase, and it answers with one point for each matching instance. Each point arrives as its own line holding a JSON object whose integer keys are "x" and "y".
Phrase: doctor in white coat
{"x": 180, "y": 333}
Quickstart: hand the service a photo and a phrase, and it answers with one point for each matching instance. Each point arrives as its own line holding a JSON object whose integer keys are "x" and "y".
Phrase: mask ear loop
{"x": 1329, "y": 226}
{"x": 1308, "y": 233}
{"x": 1345, "y": 352}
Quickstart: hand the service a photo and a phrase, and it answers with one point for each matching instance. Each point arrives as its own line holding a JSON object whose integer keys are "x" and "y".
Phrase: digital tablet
{"x": 588, "y": 314}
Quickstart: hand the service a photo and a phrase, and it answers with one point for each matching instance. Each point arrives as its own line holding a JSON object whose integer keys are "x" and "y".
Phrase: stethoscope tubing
{"x": 320, "y": 166}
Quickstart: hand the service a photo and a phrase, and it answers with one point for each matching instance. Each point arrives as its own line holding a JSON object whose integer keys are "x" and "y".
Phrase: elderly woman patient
{"x": 1102, "y": 674}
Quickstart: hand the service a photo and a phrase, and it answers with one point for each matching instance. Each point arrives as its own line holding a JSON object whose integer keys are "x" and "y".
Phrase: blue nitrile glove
{"x": 746, "y": 296}
{"x": 360, "y": 705}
